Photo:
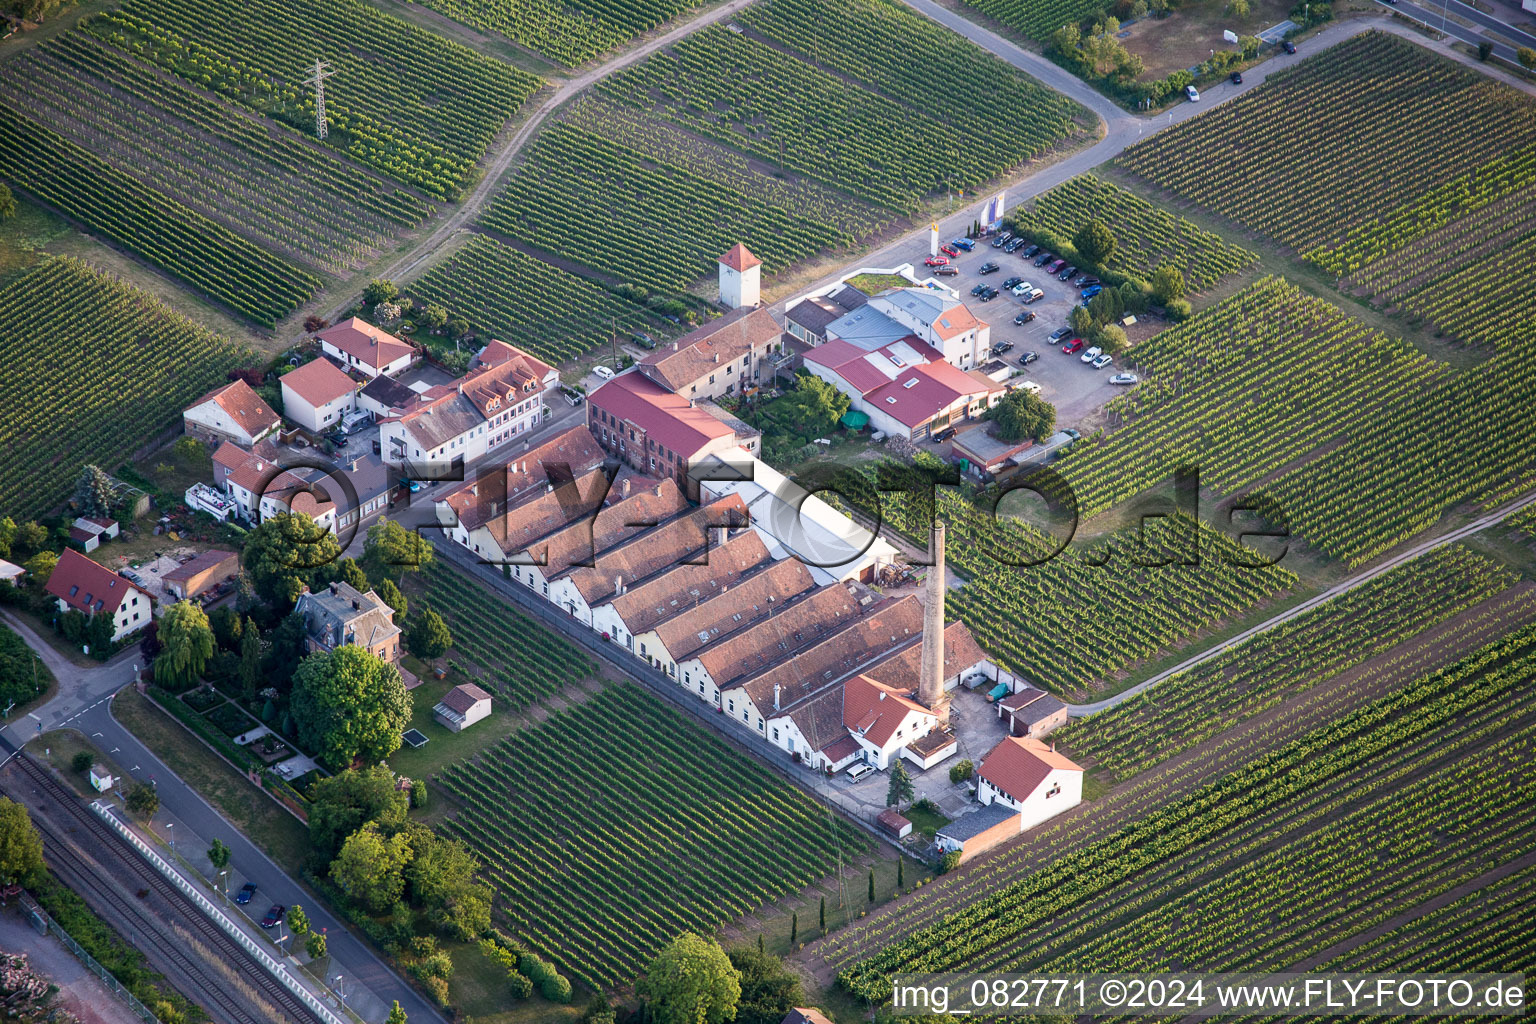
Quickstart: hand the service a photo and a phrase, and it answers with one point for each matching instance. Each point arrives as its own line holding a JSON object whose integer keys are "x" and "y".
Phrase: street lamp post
{"x": 171, "y": 835}
{"x": 341, "y": 988}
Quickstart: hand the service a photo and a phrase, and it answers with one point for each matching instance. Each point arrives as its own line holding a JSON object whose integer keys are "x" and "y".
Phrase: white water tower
{"x": 741, "y": 278}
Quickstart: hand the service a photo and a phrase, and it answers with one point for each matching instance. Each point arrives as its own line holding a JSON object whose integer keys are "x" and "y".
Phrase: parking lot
{"x": 1074, "y": 388}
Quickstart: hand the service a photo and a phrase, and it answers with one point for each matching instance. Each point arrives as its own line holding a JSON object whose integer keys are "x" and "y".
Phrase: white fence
{"x": 274, "y": 966}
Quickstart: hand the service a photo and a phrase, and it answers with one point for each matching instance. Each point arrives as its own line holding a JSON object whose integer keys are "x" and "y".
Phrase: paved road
{"x": 1494, "y": 24}
{"x": 1432, "y": 15}
{"x": 1461, "y": 533}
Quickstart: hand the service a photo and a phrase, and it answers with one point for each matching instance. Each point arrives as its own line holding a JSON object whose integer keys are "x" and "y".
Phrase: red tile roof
{"x": 370, "y": 345}
{"x": 667, "y": 418}
{"x": 738, "y": 257}
{"x": 1018, "y": 765}
{"x": 244, "y": 406}
{"x": 919, "y": 394}
{"x": 805, "y": 1015}
{"x": 735, "y": 609}
{"x": 722, "y": 342}
{"x": 656, "y": 549}
{"x": 683, "y": 588}
{"x": 88, "y": 586}
{"x": 463, "y": 698}
{"x": 876, "y": 710}
{"x": 569, "y": 454}
{"x": 319, "y": 381}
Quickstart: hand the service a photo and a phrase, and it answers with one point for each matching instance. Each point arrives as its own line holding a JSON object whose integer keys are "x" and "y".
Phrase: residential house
{"x": 462, "y": 706}
{"x": 500, "y": 398}
{"x": 85, "y": 586}
{"x": 655, "y": 431}
{"x": 883, "y": 719}
{"x": 809, "y": 318}
{"x": 201, "y": 573}
{"x": 318, "y": 394}
{"x": 1025, "y": 775}
{"x": 341, "y": 614}
{"x": 933, "y": 315}
{"x": 234, "y": 412}
{"x": 723, "y": 357}
{"x": 905, "y": 388}
{"x": 260, "y": 488}
{"x": 363, "y": 348}
{"x": 641, "y": 608}
{"x": 1031, "y": 712}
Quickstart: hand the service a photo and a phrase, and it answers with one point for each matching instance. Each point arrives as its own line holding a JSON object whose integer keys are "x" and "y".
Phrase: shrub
{"x": 82, "y": 761}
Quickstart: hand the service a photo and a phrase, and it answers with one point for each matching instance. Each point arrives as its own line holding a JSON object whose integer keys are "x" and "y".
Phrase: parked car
{"x": 1027, "y": 385}
{"x": 1002, "y": 239}
{"x": 936, "y": 261}
{"x": 962, "y": 243}
{"x": 940, "y": 436}
{"x": 643, "y": 340}
{"x": 1288, "y": 46}
{"x": 1092, "y": 354}
{"x": 1073, "y": 346}
{"x": 1073, "y": 434}
{"x": 1014, "y": 246}
{"x": 948, "y": 270}
{"x": 1028, "y": 357}
{"x": 274, "y": 914}
{"x": 988, "y": 295}
{"x": 1091, "y": 291}
{"x": 1055, "y": 265}
{"x": 1022, "y": 288}
{"x": 1103, "y": 361}
{"x": 246, "y": 892}
{"x": 949, "y": 250}
{"x": 1001, "y": 347}
{"x": 602, "y": 372}
{"x": 414, "y": 485}
{"x": 1237, "y": 76}
{"x": 1192, "y": 93}
{"x": 989, "y": 268}
{"x": 1043, "y": 259}
{"x": 1069, "y": 273}
{"x": 1059, "y": 333}
{"x": 1088, "y": 282}
{"x": 1034, "y": 296}
{"x": 1124, "y": 379}
{"x": 337, "y": 438}
{"x": 858, "y": 770}
{"x": 1012, "y": 282}
{"x": 1024, "y": 317}
{"x": 978, "y": 289}
{"x": 1030, "y": 251}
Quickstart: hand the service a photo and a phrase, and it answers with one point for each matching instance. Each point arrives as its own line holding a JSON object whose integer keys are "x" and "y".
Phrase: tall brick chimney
{"x": 931, "y": 684}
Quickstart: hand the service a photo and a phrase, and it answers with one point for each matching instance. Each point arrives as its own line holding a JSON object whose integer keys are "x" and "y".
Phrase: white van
{"x": 859, "y": 769}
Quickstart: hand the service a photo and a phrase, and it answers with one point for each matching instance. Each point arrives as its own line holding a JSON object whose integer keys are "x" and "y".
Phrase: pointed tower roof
{"x": 740, "y": 258}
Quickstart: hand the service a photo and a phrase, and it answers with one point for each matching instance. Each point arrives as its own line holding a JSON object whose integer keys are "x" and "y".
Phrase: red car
{"x": 949, "y": 250}
{"x": 1055, "y": 266}
{"x": 936, "y": 261}
{"x": 1073, "y": 347}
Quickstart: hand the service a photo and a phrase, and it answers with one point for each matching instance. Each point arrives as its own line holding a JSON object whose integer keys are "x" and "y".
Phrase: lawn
{"x": 246, "y": 806}
{"x": 926, "y": 819}
{"x": 59, "y": 748}
{"x": 874, "y": 284}
{"x": 444, "y": 746}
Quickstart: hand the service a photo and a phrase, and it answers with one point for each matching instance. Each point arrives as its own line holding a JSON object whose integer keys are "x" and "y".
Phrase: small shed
{"x": 975, "y": 833}
{"x": 462, "y": 706}
{"x": 204, "y": 572}
{"x": 893, "y": 824}
{"x": 1032, "y": 712}
{"x": 11, "y": 573}
{"x": 101, "y": 778}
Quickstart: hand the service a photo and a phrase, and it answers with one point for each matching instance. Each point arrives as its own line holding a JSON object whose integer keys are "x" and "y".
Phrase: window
{"x": 759, "y": 726}
{"x": 890, "y": 399}
{"x": 911, "y": 383}
{"x": 711, "y": 378}
{"x": 1053, "y": 791}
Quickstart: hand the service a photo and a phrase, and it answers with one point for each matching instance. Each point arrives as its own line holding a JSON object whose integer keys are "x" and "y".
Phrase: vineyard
{"x": 612, "y": 208}
{"x": 516, "y": 659}
{"x": 570, "y": 34}
{"x": 1303, "y": 848}
{"x": 906, "y": 57}
{"x": 94, "y": 370}
{"x": 404, "y": 101}
{"x": 614, "y": 825}
{"x": 1146, "y": 236}
{"x": 1238, "y": 684}
{"x": 1037, "y": 19}
{"x": 1333, "y": 145}
{"x": 516, "y": 298}
{"x": 1090, "y": 613}
{"x": 185, "y": 244}
{"x": 749, "y": 95}
{"x": 284, "y": 193}
{"x": 1266, "y": 393}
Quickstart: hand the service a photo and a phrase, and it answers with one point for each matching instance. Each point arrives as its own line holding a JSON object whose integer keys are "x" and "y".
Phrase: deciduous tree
{"x": 186, "y": 644}
{"x": 768, "y": 990}
{"x": 346, "y": 801}
{"x": 390, "y": 595}
{"x": 283, "y": 554}
{"x": 218, "y": 855}
{"x": 348, "y": 705}
{"x": 1094, "y": 242}
{"x": 371, "y": 869}
{"x": 429, "y": 637}
{"x": 143, "y": 800}
{"x": 1022, "y": 415}
{"x": 691, "y": 981}
{"x": 391, "y": 548}
{"x": 1167, "y": 284}
{"x": 21, "y": 847}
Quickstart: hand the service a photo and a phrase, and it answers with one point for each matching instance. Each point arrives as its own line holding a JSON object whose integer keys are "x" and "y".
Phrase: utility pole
{"x": 614, "y": 322}
{"x": 321, "y": 73}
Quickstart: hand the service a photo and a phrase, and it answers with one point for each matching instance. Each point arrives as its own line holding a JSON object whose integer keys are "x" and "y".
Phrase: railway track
{"x": 214, "y": 990}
